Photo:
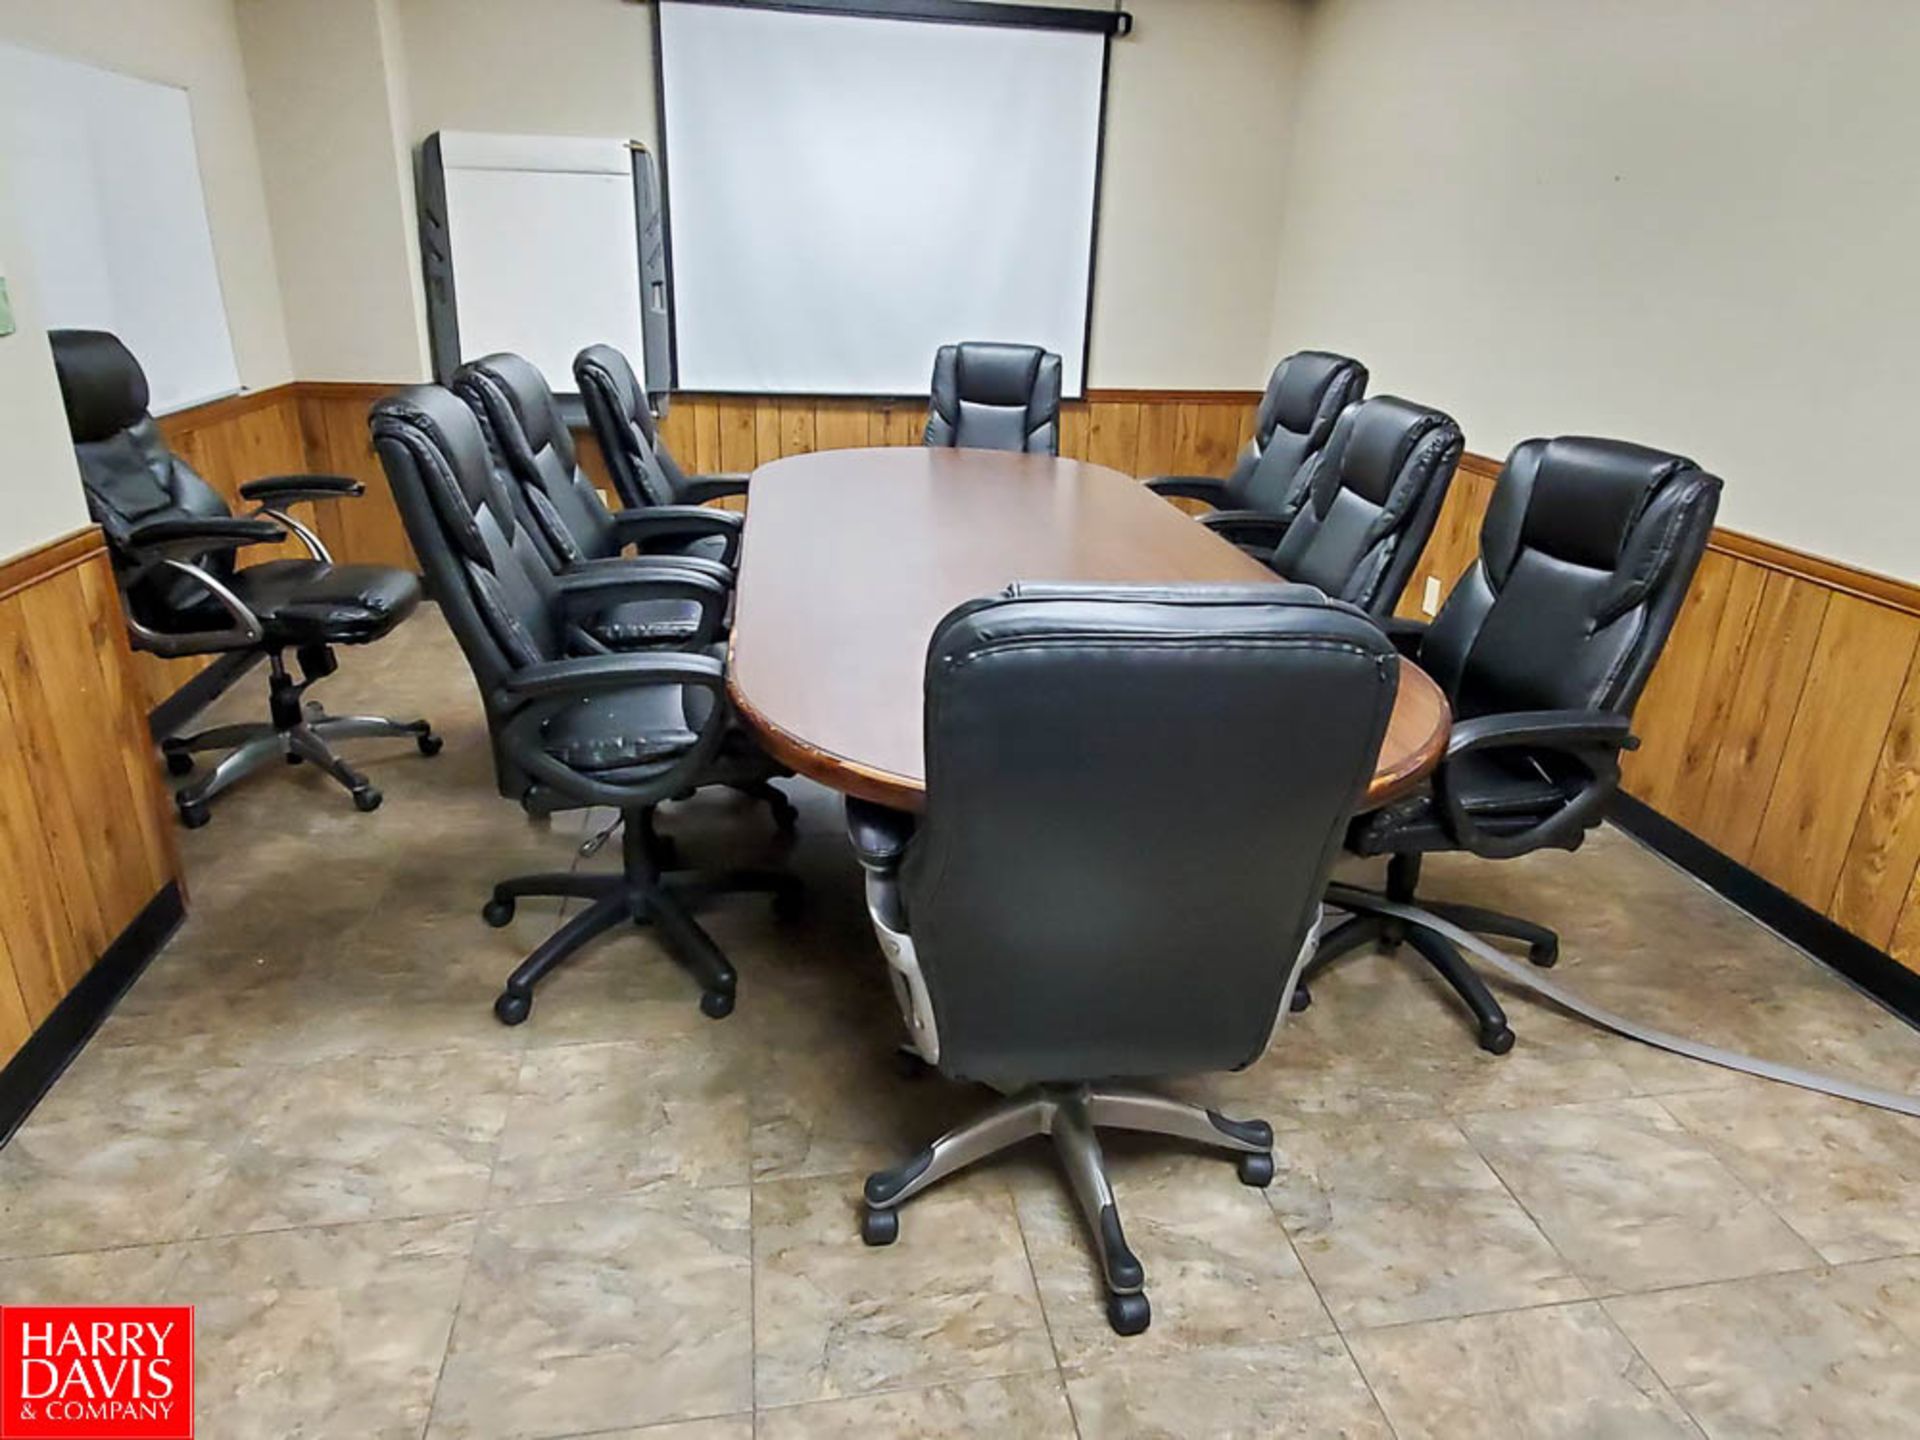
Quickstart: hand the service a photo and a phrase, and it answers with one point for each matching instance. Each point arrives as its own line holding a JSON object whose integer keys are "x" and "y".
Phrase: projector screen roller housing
{"x": 846, "y": 194}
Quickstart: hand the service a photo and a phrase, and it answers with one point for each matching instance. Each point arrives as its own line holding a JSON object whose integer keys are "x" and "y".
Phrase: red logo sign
{"x": 96, "y": 1372}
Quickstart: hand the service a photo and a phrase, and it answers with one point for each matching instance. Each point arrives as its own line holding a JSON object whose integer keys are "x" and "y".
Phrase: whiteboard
{"x": 545, "y": 247}
{"x": 848, "y": 193}
{"x": 103, "y": 184}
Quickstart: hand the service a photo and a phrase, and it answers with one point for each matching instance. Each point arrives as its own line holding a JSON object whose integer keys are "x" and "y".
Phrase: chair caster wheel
{"x": 1302, "y": 998}
{"x": 880, "y": 1227}
{"x": 179, "y": 762}
{"x": 293, "y": 759}
{"x": 789, "y": 904}
{"x": 498, "y": 912}
{"x": 1129, "y": 1314}
{"x": 716, "y": 1004}
{"x": 1497, "y": 1041}
{"x": 367, "y": 800}
{"x": 1546, "y": 954}
{"x": 512, "y": 1008}
{"x": 1256, "y": 1169}
{"x": 430, "y": 743}
{"x": 193, "y": 813}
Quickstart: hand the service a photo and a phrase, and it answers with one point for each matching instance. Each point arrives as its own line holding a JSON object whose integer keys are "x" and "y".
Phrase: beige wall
{"x": 329, "y": 97}
{"x": 1198, "y": 119}
{"x": 1190, "y": 208}
{"x": 1687, "y": 222}
{"x": 39, "y": 486}
{"x": 193, "y": 44}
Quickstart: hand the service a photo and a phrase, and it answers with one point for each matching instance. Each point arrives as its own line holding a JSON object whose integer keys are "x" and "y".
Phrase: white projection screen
{"x": 848, "y": 193}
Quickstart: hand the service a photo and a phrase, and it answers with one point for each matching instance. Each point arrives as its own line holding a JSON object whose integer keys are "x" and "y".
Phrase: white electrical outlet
{"x": 1430, "y": 597}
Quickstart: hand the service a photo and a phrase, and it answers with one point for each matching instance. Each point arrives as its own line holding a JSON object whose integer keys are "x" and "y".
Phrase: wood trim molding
{"x": 368, "y": 390}
{"x": 1896, "y": 594}
{"x": 227, "y": 407}
{"x": 63, "y": 552}
{"x": 1172, "y": 397}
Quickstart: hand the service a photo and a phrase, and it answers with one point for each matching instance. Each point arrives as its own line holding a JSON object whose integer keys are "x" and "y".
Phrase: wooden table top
{"x": 852, "y": 557}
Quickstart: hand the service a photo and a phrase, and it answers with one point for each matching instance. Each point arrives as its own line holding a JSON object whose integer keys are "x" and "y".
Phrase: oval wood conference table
{"x": 852, "y": 557}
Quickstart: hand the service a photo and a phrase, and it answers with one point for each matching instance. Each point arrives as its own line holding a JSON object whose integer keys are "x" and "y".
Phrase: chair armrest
{"x": 161, "y": 539}
{"x": 288, "y": 489}
{"x": 588, "y": 589}
{"x": 1568, "y": 730}
{"x": 703, "y": 488}
{"x": 1191, "y": 487}
{"x": 655, "y": 524}
{"x": 879, "y": 834}
{"x": 1591, "y": 739}
{"x": 1257, "y": 528}
{"x": 1407, "y": 635}
{"x": 587, "y": 674}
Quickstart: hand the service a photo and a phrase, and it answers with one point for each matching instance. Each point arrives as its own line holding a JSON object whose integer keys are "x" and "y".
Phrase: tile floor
{"x": 398, "y": 1218}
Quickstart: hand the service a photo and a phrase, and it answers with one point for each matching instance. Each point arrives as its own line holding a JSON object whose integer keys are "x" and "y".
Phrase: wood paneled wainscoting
{"x": 1782, "y": 726}
{"x": 89, "y": 876}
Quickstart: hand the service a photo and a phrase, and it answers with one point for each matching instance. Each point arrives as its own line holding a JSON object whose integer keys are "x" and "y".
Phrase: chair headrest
{"x": 992, "y": 373}
{"x": 520, "y": 409}
{"x": 1373, "y": 440}
{"x": 606, "y": 369}
{"x": 1308, "y": 391}
{"x": 443, "y": 437}
{"x": 1587, "y": 495}
{"x": 103, "y": 386}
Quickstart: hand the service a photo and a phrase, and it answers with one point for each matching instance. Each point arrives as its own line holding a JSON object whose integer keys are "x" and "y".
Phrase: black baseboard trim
{"x": 1872, "y": 969}
{"x": 31, "y": 1073}
{"x": 199, "y": 692}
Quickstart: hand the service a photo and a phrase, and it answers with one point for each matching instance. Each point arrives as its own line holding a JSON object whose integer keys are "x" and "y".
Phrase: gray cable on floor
{"x": 1358, "y": 901}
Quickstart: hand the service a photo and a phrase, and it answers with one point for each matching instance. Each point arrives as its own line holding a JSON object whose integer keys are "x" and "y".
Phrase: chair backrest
{"x": 1372, "y": 496}
{"x": 523, "y": 428}
{"x": 1585, "y": 555}
{"x": 129, "y": 475}
{"x": 492, "y": 584}
{"x": 1134, "y": 795}
{"x": 623, "y": 424}
{"x": 1304, "y": 397}
{"x": 990, "y": 396}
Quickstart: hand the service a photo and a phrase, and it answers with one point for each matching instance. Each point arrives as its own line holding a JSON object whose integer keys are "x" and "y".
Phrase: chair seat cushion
{"x": 301, "y": 602}
{"x": 618, "y": 729}
{"x": 630, "y": 736}
{"x": 645, "y": 622}
{"x": 705, "y": 547}
{"x": 1504, "y": 790}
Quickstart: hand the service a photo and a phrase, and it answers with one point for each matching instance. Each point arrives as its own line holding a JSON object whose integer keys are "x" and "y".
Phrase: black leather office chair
{"x": 1542, "y": 648}
{"x": 621, "y": 416}
{"x": 990, "y": 396}
{"x": 570, "y": 522}
{"x": 1372, "y": 497}
{"x": 1253, "y": 506}
{"x": 1036, "y": 943}
{"x": 172, "y": 539}
{"x": 573, "y": 729}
